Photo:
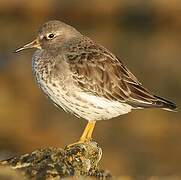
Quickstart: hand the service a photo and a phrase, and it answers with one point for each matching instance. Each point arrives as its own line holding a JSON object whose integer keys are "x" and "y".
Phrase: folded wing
{"x": 99, "y": 72}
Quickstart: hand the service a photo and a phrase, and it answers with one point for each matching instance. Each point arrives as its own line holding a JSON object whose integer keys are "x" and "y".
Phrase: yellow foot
{"x": 76, "y": 143}
{"x": 87, "y": 134}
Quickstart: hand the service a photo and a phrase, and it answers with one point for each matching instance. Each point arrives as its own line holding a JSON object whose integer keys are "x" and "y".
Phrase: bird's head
{"x": 51, "y": 35}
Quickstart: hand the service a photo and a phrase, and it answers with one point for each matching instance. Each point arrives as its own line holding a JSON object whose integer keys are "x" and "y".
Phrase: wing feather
{"x": 98, "y": 71}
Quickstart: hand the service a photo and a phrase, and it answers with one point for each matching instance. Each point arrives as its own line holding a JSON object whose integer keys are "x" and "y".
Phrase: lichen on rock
{"x": 80, "y": 160}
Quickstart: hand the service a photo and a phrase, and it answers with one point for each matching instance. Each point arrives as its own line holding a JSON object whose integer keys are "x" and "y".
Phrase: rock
{"x": 7, "y": 173}
{"x": 78, "y": 160}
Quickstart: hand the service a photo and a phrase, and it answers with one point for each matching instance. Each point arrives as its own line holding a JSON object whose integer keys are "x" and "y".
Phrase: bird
{"x": 86, "y": 79}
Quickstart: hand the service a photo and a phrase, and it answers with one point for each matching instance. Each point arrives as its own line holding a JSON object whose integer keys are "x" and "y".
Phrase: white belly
{"x": 81, "y": 104}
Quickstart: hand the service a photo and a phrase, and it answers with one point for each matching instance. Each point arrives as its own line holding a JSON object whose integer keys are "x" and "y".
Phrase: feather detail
{"x": 98, "y": 71}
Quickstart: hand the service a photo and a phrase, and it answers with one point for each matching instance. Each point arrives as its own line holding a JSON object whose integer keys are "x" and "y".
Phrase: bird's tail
{"x": 165, "y": 104}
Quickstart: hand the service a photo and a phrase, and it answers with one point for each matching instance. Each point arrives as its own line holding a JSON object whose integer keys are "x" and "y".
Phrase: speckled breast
{"x": 55, "y": 79}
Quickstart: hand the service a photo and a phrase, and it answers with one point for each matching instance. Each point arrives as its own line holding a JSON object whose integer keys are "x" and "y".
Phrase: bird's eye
{"x": 50, "y": 36}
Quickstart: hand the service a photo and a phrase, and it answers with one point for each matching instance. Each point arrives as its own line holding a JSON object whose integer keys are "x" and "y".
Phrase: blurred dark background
{"x": 145, "y": 34}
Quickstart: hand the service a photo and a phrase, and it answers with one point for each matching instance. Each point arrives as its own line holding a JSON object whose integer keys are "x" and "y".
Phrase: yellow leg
{"x": 87, "y": 134}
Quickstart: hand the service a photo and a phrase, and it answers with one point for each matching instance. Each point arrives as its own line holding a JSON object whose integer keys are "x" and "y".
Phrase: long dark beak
{"x": 33, "y": 44}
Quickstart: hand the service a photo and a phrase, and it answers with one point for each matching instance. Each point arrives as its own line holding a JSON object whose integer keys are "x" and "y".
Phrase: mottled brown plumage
{"x": 85, "y": 78}
{"x": 98, "y": 71}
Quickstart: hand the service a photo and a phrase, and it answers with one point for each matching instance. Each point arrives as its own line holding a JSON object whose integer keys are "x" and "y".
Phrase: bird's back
{"x": 98, "y": 71}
